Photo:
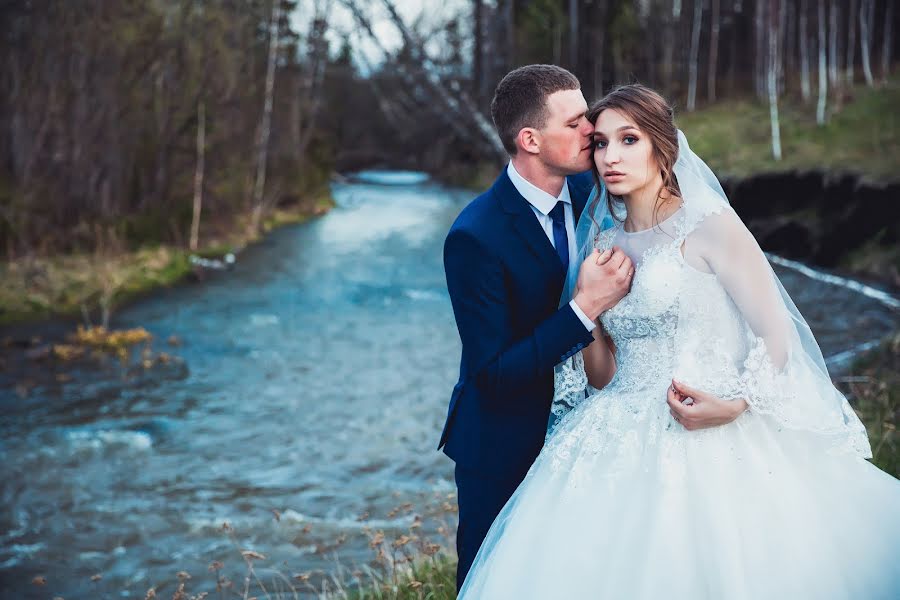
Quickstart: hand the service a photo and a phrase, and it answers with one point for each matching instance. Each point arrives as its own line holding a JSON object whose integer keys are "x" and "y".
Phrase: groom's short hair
{"x": 520, "y": 99}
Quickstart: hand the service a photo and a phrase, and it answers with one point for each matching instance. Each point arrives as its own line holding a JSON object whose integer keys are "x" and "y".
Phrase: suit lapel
{"x": 526, "y": 224}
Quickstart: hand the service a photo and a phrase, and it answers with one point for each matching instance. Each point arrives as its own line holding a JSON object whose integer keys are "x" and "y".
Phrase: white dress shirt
{"x": 542, "y": 203}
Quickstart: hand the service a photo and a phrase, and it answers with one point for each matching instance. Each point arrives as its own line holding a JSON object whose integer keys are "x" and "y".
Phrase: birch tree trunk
{"x": 805, "y": 88}
{"x": 266, "y": 123}
{"x": 773, "y": 78}
{"x": 198, "y": 175}
{"x": 865, "y": 38}
{"x": 713, "y": 53}
{"x": 695, "y": 54}
{"x": 823, "y": 75}
{"x": 851, "y": 39}
{"x": 888, "y": 42}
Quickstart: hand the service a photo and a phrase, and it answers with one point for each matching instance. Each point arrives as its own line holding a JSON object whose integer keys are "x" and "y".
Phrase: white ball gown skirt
{"x": 623, "y": 503}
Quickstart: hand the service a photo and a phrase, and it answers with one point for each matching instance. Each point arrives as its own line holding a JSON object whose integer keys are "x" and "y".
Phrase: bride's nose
{"x": 612, "y": 155}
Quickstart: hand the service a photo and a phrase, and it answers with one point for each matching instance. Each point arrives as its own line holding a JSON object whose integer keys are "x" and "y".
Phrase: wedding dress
{"x": 624, "y": 503}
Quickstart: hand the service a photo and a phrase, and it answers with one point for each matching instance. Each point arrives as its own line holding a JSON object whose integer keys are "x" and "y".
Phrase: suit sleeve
{"x": 500, "y": 366}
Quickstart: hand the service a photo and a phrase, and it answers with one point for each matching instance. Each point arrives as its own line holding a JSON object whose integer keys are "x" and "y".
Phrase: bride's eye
{"x": 598, "y": 144}
{"x": 630, "y": 139}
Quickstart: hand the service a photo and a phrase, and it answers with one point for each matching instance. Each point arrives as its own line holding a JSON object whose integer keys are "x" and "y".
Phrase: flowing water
{"x": 304, "y": 410}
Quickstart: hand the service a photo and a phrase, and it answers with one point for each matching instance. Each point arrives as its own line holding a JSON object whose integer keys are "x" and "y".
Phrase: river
{"x": 304, "y": 410}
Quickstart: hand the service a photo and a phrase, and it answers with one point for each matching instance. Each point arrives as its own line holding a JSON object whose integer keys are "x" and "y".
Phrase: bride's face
{"x": 623, "y": 155}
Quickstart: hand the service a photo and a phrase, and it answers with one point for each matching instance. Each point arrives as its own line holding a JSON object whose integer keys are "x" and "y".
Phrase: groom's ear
{"x": 529, "y": 140}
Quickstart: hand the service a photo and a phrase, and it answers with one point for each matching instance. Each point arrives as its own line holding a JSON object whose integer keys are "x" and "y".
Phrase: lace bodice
{"x": 722, "y": 329}
{"x": 666, "y": 289}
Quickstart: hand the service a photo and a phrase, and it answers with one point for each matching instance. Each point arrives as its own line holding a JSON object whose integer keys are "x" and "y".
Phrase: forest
{"x": 130, "y": 123}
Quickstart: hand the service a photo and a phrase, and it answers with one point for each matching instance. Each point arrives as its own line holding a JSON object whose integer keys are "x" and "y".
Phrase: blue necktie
{"x": 560, "y": 239}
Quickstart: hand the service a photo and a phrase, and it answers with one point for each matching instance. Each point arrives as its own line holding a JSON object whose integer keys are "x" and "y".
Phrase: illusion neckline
{"x": 664, "y": 221}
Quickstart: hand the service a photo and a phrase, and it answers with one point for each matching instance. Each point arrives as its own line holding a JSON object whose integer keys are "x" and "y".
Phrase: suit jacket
{"x": 505, "y": 281}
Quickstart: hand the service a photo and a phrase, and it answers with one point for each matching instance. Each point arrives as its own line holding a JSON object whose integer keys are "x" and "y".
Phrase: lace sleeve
{"x": 783, "y": 374}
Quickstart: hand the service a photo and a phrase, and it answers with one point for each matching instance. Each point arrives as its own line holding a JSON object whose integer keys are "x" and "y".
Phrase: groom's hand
{"x": 705, "y": 410}
{"x": 603, "y": 279}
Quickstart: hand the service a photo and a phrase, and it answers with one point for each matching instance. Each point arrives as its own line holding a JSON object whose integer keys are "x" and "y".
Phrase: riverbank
{"x": 79, "y": 286}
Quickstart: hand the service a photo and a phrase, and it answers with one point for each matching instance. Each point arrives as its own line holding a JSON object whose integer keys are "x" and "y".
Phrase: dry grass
{"x": 36, "y": 287}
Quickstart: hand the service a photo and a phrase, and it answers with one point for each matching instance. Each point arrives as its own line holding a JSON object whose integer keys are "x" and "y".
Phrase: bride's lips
{"x": 613, "y": 176}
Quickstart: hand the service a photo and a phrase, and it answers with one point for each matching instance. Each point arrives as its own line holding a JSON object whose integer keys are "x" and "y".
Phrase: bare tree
{"x": 781, "y": 55}
{"x": 773, "y": 78}
{"x": 198, "y": 175}
{"x": 598, "y": 32}
{"x": 265, "y": 126}
{"x": 788, "y": 41}
{"x": 760, "y": 64}
{"x": 887, "y": 41}
{"x": 833, "y": 67}
{"x": 509, "y": 22}
{"x": 823, "y": 75}
{"x": 450, "y": 102}
{"x": 805, "y": 88}
{"x": 866, "y": 13}
{"x": 671, "y": 24}
{"x": 307, "y": 97}
{"x": 695, "y": 55}
{"x": 851, "y": 39}
{"x": 573, "y": 33}
{"x": 713, "y": 53}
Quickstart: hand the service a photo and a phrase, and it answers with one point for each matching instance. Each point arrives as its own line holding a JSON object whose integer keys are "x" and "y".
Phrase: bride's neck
{"x": 646, "y": 207}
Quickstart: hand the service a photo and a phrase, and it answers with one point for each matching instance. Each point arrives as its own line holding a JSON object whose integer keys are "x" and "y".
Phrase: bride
{"x": 633, "y": 496}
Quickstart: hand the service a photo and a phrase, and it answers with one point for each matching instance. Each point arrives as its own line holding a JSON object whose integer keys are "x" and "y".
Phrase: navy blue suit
{"x": 505, "y": 281}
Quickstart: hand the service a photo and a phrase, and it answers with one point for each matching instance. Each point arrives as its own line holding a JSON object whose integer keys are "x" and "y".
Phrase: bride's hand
{"x": 705, "y": 409}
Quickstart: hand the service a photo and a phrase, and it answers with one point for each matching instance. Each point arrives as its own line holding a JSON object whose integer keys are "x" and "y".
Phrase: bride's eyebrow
{"x": 625, "y": 127}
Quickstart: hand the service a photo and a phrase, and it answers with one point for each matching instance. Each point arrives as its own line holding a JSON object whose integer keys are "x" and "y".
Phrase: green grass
{"x": 862, "y": 136}
{"x": 874, "y": 389}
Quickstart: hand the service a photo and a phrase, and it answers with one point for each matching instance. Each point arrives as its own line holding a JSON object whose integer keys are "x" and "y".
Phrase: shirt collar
{"x": 535, "y": 196}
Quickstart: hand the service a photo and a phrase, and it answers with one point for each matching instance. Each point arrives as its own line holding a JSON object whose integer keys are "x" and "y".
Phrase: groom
{"x": 506, "y": 259}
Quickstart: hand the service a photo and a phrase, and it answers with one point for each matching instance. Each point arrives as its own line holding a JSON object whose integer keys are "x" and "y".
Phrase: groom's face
{"x": 565, "y": 145}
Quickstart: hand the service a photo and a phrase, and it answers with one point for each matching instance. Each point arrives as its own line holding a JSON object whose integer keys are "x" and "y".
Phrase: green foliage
{"x": 862, "y": 137}
{"x": 541, "y": 31}
{"x": 627, "y": 41}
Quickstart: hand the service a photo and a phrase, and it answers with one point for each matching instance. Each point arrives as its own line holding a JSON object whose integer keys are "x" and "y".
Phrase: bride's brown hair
{"x": 656, "y": 118}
